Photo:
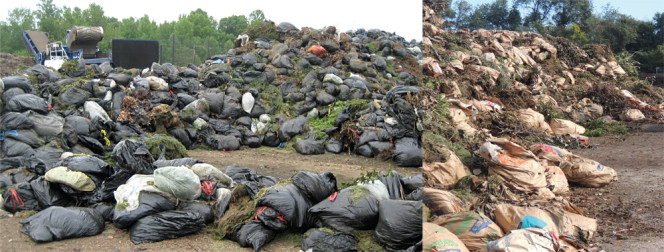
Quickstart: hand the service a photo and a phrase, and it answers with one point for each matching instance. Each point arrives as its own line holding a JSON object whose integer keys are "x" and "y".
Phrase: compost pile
{"x": 96, "y": 143}
{"x": 501, "y": 110}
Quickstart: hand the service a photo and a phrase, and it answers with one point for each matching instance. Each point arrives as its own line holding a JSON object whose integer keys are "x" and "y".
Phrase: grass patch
{"x": 366, "y": 240}
{"x": 466, "y": 157}
{"x": 290, "y": 237}
{"x": 357, "y": 193}
{"x": 319, "y": 124}
{"x": 240, "y": 210}
{"x": 550, "y": 112}
{"x": 373, "y": 46}
{"x": 598, "y": 127}
{"x": 174, "y": 149}
{"x": 390, "y": 67}
{"x": 25, "y": 213}
{"x": 265, "y": 29}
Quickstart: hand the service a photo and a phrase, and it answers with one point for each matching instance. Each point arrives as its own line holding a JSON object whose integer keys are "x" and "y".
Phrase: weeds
{"x": 598, "y": 127}
{"x": 550, "y": 112}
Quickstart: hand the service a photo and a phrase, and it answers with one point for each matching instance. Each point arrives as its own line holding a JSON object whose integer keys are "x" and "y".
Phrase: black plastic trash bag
{"x": 19, "y": 197}
{"x": 415, "y": 195}
{"x": 28, "y": 137}
{"x": 15, "y": 121}
{"x": 412, "y": 183}
{"x": 176, "y": 162}
{"x": 364, "y": 150}
{"x": 17, "y": 82}
{"x": 166, "y": 225}
{"x": 182, "y": 136}
{"x": 9, "y": 163}
{"x": 309, "y": 147}
{"x": 290, "y": 202}
{"x": 93, "y": 144}
{"x": 292, "y": 128}
{"x": 400, "y": 223}
{"x": 271, "y": 139}
{"x": 271, "y": 218}
{"x": 13, "y": 148}
{"x": 19, "y": 175}
{"x": 105, "y": 209}
{"x": 351, "y": 208}
{"x": 133, "y": 156}
{"x": 316, "y": 186}
{"x": 59, "y": 223}
{"x": 392, "y": 181}
{"x": 49, "y": 194}
{"x": 25, "y": 102}
{"x": 199, "y": 207}
{"x": 74, "y": 96}
{"x": 148, "y": 203}
{"x": 334, "y": 146}
{"x": 221, "y": 142}
{"x": 87, "y": 164}
{"x": 105, "y": 191}
{"x": 5, "y": 182}
{"x": 319, "y": 240}
{"x": 251, "y": 181}
{"x": 407, "y": 153}
{"x": 253, "y": 234}
{"x": 81, "y": 124}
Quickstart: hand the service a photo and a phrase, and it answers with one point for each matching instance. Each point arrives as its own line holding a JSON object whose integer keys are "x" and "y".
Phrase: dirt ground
{"x": 9, "y": 63}
{"x": 266, "y": 161}
{"x": 630, "y": 212}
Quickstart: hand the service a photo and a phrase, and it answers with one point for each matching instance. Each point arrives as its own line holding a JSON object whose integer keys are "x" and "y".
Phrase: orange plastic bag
{"x": 317, "y": 50}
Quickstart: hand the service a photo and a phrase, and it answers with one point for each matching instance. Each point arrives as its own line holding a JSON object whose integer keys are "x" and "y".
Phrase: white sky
{"x": 639, "y": 9}
{"x": 404, "y": 17}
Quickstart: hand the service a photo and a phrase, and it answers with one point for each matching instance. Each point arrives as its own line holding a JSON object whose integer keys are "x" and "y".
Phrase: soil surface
{"x": 9, "y": 63}
{"x": 266, "y": 161}
{"x": 629, "y": 212}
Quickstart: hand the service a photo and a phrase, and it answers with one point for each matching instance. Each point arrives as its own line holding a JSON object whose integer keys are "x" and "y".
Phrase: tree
{"x": 48, "y": 14}
{"x": 490, "y": 16}
{"x": 568, "y": 12}
{"x": 514, "y": 19}
{"x": 618, "y": 29}
{"x": 256, "y": 16}
{"x": 659, "y": 26}
{"x": 539, "y": 12}
{"x": 233, "y": 25}
{"x": 19, "y": 20}
{"x": 94, "y": 15}
{"x": 462, "y": 10}
{"x": 203, "y": 25}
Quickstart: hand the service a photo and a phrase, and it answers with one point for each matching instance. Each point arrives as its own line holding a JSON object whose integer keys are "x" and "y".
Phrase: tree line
{"x": 630, "y": 39}
{"x": 194, "y": 30}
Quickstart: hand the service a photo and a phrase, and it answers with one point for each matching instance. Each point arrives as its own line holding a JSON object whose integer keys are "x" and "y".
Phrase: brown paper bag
{"x": 474, "y": 229}
{"x": 442, "y": 202}
{"x": 436, "y": 238}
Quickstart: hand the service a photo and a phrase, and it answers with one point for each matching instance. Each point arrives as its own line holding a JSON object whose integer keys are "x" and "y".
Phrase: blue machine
{"x": 81, "y": 44}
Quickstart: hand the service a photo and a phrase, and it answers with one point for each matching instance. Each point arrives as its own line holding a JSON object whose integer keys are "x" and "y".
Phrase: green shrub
{"x": 599, "y": 127}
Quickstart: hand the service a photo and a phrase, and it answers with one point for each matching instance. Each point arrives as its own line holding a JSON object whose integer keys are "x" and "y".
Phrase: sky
{"x": 403, "y": 17}
{"x": 639, "y": 9}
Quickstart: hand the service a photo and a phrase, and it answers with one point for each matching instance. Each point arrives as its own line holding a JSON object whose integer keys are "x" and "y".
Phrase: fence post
{"x": 173, "y": 50}
{"x": 208, "y": 49}
{"x": 161, "y": 50}
{"x": 193, "y": 61}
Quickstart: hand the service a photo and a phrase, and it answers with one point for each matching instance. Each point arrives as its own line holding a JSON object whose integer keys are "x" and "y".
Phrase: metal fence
{"x": 182, "y": 51}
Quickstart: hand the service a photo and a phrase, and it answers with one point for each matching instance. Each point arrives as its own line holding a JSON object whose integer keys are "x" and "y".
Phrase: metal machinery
{"x": 81, "y": 44}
